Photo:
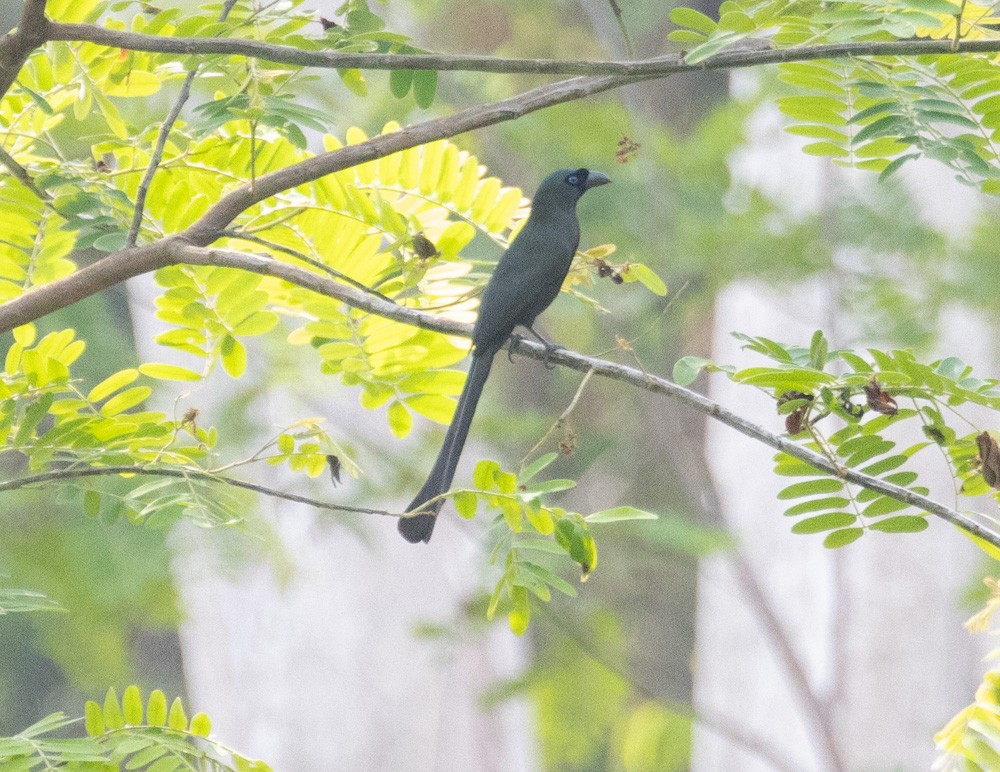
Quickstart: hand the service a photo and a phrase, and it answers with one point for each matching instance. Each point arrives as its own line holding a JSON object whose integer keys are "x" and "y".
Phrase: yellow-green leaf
{"x": 156, "y": 710}
{"x": 201, "y": 725}
{"x": 93, "y": 718}
{"x": 177, "y": 719}
{"x": 113, "y": 718}
{"x": 166, "y": 372}
{"x": 112, "y": 383}
{"x": 234, "y": 356}
{"x": 400, "y": 419}
{"x": 132, "y": 705}
{"x": 125, "y": 400}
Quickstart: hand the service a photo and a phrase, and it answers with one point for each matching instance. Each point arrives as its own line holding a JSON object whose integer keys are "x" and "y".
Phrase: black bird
{"x": 526, "y": 280}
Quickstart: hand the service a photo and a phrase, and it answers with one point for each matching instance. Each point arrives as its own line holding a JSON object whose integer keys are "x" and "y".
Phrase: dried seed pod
{"x": 879, "y": 399}
{"x": 424, "y": 247}
{"x": 989, "y": 459}
{"x": 334, "y": 463}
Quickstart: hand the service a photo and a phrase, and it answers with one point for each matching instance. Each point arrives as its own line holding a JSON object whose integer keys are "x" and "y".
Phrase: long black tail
{"x": 419, "y": 527}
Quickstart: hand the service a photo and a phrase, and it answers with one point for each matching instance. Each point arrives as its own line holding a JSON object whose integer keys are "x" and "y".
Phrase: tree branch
{"x": 154, "y": 160}
{"x": 172, "y": 251}
{"x": 207, "y": 228}
{"x": 150, "y": 471}
{"x": 16, "y": 46}
{"x": 668, "y": 64}
{"x": 22, "y": 175}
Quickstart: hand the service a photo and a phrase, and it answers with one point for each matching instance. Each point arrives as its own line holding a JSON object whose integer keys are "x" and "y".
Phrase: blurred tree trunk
{"x": 876, "y": 626}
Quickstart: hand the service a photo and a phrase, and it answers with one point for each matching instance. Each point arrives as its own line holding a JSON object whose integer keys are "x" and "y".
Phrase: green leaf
{"x": 688, "y": 17}
{"x": 400, "y": 82}
{"x": 826, "y": 522}
{"x": 712, "y": 46}
{"x": 827, "y": 149}
{"x": 111, "y": 384}
{"x": 548, "y": 486}
{"x": 156, "y": 709}
{"x": 201, "y": 725}
{"x": 354, "y": 80}
{"x": 165, "y": 372}
{"x": 818, "y": 349}
{"x": 234, "y": 356}
{"x": 818, "y": 505}
{"x": 483, "y": 475}
{"x": 901, "y": 524}
{"x": 127, "y": 399}
{"x": 616, "y": 514}
{"x": 466, "y": 504}
{"x": 91, "y": 503}
{"x": 177, "y": 719}
{"x": 424, "y": 87}
{"x": 111, "y": 242}
{"x": 648, "y": 278}
{"x": 520, "y": 613}
{"x": 884, "y": 465}
{"x": 548, "y": 577}
{"x": 883, "y": 505}
{"x": 400, "y": 419}
{"x": 537, "y": 466}
{"x": 93, "y": 719}
{"x": 843, "y": 537}
{"x": 132, "y": 705}
{"x": 687, "y": 369}
{"x": 433, "y": 406}
{"x": 810, "y": 487}
{"x": 113, "y": 717}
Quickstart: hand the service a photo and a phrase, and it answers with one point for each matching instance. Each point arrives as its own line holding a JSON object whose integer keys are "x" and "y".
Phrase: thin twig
{"x": 157, "y": 157}
{"x": 563, "y": 416}
{"x": 103, "y": 471}
{"x": 161, "y": 142}
{"x": 320, "y": 266}
{"x": 617, "y": 11}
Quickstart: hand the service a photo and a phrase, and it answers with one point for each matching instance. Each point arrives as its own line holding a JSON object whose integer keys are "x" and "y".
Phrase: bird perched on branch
{"x": 526, "y": 280}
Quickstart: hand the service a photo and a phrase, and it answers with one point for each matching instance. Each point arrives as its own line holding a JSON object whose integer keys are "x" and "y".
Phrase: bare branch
{"x": 154, "y": 161}
{"x": 215, "y": 220}
{"x": 133, "y": 262}
{"x": 88, "y": 281}
{"x": 207, "y": 476}
{"x": 16, "y": 46}
{"x": 668, "y": 64}
{"x": 161, "y": 142}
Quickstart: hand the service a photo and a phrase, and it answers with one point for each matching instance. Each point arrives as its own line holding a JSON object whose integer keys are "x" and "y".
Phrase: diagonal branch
{"x": 207, "y": 229}
{"x": 16, "y": 46}
{"x": 172, "y": 252}
{"x": 22, "y": 175}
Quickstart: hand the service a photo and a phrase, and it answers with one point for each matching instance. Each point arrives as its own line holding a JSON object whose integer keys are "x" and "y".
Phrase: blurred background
{"x": 710, "y": 639}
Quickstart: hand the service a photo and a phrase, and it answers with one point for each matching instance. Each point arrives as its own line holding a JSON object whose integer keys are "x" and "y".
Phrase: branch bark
{"x": 173, "y": 252}
{"x": 16, "y": 46}
{"x": 659, "y": 66}
{"x": 207, "y": 476}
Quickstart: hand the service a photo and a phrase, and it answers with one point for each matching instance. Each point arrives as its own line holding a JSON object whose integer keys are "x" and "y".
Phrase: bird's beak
{"x": 596, "y": 178}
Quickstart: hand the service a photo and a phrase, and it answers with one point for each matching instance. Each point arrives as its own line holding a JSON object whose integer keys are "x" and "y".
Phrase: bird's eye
{"x": 572, "y": 179}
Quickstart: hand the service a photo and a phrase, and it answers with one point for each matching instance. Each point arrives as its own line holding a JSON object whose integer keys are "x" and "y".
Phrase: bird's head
{"x": 564, "y": 187}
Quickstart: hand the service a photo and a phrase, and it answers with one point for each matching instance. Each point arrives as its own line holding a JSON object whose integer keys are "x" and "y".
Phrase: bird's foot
{"x": 515, "y": 339}
{"x": 550, "y": 349}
